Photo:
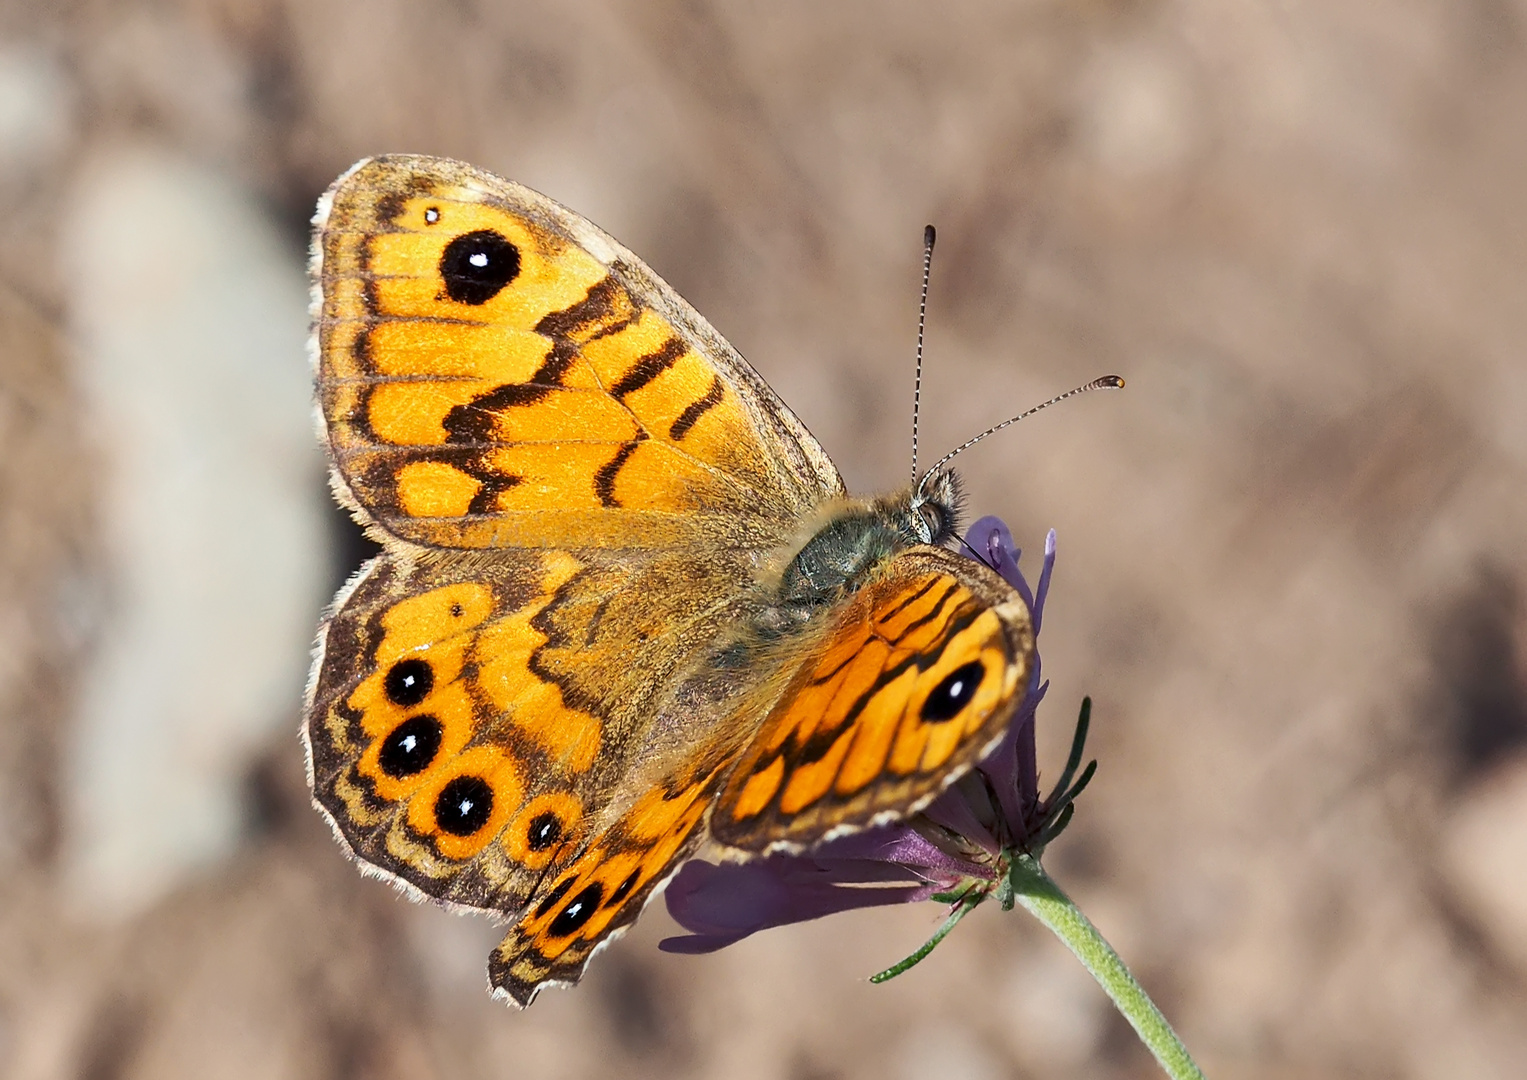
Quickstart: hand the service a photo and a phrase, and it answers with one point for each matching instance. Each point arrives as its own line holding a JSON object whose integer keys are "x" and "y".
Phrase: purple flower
{"x": 957, "y": 850}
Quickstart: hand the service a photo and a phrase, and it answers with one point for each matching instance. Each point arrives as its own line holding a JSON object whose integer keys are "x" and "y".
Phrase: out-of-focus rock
{"x": 1484, "y": 853}
{"x": 36, "y": 110}
{"x": 189, "y": 317}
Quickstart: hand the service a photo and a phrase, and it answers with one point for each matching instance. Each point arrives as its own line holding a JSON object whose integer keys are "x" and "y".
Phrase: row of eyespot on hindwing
{"x": 462, "y": 805}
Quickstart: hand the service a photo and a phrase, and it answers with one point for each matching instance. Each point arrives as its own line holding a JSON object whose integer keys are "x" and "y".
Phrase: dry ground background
{"x": 1291, "y": 553}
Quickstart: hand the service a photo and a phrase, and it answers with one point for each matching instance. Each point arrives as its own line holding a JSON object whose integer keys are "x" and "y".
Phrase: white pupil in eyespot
{"x": 478, "y": 259}
{"x": 409, "y": 742}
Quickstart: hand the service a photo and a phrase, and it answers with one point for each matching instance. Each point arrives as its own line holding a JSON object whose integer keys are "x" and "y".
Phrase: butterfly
{"x": 624, "y": 606}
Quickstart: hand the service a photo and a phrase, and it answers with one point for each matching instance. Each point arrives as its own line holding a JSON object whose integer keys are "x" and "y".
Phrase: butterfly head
{"x": 931, "y": 515}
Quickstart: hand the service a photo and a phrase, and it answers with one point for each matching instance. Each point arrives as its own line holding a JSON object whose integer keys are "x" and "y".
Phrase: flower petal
{"x": 898, "y": 845}
{"x": 953, "y": 811}
{"x": 992, "y": 540}
{"x": 723, "y": 904}
{"x": 1038, "y": 606}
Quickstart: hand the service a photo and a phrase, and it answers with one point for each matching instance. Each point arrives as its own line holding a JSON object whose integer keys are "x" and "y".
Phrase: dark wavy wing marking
{"x": 705, "y": 446}
{"x": 850, "y": 740}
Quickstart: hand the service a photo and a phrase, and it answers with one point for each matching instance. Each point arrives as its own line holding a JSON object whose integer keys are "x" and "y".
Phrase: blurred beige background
{"x": 1291, "y": 552}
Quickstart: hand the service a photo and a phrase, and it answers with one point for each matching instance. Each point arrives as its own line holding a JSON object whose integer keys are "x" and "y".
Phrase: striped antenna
{"x": 1107, "y": 382}
{"x": 922, "y": 321}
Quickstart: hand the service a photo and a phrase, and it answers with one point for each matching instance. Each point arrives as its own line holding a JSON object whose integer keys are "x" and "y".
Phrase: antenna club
{"x": 1107, "y": 382}
{"x": 929, "y": 235}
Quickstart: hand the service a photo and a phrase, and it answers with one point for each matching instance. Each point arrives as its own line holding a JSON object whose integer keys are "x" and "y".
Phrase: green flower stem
{"x": 1035, "y": 890}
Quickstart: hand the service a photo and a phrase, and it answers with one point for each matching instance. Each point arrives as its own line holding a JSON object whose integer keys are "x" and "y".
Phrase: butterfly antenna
{"x": 1107, "y": 382}
{"x": 929, "y": 235}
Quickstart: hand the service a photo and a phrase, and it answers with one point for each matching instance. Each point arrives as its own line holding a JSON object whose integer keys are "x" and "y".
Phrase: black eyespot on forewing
{"x": 477, "y": 265}
{"x": 464, "y": 805}
{"x": 544, "y": 831}
{"x": 951, "y": 695}
{"x": 409, "y": 682}
{"x": 411, "y": 747}
{"x": 623, "y": 890}
{"x": 555, "y": 895}
{"x": 579, "y": 910}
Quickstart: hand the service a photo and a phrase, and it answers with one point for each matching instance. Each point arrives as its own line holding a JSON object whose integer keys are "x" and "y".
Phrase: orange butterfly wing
{"x": 596, "y": 897}
{"x": 470, "y": 721}
{"x": 496, "y": 372}
{"x": 916, "y": 680}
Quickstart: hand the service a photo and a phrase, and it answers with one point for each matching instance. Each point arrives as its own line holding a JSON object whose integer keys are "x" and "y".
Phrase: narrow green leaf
{"x": 965, "y": 908}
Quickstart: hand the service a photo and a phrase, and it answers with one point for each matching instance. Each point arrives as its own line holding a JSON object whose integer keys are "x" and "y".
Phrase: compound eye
{"x": 931, "y": 521}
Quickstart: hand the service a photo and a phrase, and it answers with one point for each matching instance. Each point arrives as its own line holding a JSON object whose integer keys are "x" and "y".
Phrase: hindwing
{"x": 472, "y": 719}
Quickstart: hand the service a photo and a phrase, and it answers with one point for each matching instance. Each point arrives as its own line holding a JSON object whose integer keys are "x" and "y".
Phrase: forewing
{"x": 914, "y": 682}
{"x": 494, "y": 371}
